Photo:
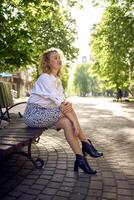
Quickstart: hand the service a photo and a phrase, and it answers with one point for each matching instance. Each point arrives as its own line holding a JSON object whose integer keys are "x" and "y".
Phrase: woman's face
{"x": 55, "y": 61}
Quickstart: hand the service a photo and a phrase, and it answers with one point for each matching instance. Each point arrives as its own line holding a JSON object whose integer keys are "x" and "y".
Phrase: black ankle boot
{"x": 82, "y": 163}
{"x": 90, "y": 149}
{"x": 95, "y": 148}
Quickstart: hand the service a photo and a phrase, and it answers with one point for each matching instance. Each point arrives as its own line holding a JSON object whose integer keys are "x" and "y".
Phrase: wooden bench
{"x": 16, "y": 135}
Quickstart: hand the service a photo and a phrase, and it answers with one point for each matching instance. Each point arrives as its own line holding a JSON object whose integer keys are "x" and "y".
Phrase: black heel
{"x": 84, "y": 153}
{"x": 82, "y": 163}
{"x": 75, "y": 166}
{"x": 90, "y": 149}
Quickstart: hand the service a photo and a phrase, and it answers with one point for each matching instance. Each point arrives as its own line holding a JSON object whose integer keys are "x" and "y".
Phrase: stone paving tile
{"x": 109, "y": 195}
{"x": 110, "y": 127}
{"x": 27, "y": 196}
{"x": 93, "y": 198}
{"x": 109, "y": 189}
{"x": 9, "y": 198}
{"x": 122, "y": 197}
{"x": 44, "y": 197}
{"x": 66, "y": 188}
{"x": 77, "y": 196}
{"x": 59, "y": 198}
{"x": 50, "y": 191}
{"x": 63, "y": 194}
{"x": 15, "y": 194}
{"x": 124, "y": 192}
{"x": 96, "y": 185}
{"x": 37, "y": 187}
{"x": 95, "y": 193}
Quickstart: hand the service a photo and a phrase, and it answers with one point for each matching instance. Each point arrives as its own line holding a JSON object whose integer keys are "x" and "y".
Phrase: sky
{"x": 85, "y": 19}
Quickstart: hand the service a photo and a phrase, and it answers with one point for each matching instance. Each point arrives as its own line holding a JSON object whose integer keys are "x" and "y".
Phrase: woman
{"x": 47, "y": 107}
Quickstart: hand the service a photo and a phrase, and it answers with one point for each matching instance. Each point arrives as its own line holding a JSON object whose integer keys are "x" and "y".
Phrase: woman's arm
{"x": 46, "y": 87}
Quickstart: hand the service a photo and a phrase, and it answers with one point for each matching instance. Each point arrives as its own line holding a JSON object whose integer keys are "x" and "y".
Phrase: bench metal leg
{"x": 38, "y": 163}
{"x": 7, "y": 110}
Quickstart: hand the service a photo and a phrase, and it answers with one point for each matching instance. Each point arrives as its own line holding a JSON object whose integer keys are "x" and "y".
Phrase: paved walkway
{"x": 111, "y": 128}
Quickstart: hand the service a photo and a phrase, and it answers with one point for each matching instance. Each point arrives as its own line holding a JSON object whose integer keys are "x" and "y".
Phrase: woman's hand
{"x": 66, "y": 107}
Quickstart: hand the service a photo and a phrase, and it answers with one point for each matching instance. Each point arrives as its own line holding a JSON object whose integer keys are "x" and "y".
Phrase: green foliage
{"x": 29, "y": 27}
{"x": 112, "y": 47}
{"x": 126, "y": 4}
{"x": 65, "y": 76}
{"x": 84, "y": 82}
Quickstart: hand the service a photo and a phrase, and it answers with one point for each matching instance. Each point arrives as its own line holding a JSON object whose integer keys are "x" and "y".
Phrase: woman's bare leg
{"x": 73, "y": 117}
{"x": 87, "y": 146}
{"x": 65, "y": 124}
{"x": 73, "y": 141}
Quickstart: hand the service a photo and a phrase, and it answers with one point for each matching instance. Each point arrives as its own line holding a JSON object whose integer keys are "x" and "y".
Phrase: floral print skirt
{"x": 40, "y": 117}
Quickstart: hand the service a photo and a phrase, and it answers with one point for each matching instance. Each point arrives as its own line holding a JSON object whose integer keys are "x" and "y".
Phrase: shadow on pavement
{"x": 111, "y": 132}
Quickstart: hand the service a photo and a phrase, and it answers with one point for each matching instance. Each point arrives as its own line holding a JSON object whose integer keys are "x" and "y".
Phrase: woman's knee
{"x": 64, "y": 123}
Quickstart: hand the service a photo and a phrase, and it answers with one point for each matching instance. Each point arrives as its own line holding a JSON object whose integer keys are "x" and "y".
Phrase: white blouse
{"x": 47, "y": 91}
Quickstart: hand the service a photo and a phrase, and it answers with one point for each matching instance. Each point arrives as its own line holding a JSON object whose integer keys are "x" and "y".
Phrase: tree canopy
{"x": 27, "y": 27}
{"x": 84, "y": 82}
{"x": 113, "y": 45}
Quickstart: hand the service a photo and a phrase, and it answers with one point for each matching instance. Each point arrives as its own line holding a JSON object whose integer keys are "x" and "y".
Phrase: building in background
{"x": 20, "y": 82}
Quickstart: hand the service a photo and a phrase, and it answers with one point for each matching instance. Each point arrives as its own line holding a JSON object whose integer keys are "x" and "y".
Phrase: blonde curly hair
{"x": 44, "y": 66}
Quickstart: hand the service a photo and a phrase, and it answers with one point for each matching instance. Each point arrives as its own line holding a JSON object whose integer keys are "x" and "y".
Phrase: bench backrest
{"x": 6, "y": 99}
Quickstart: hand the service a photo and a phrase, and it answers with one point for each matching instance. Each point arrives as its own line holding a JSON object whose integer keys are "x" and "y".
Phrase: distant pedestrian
{"x": 119, "y": 94}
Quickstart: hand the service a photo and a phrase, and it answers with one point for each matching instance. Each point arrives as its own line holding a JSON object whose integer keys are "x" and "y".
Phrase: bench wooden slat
{"x": 12, "y": 136}
{"x": 15, "y": 144}
{"x": 5, "y": 149}
{"x": 13, "y": 140}
{"x": 20, "y": 136}
{"x": 21, "y": 131}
